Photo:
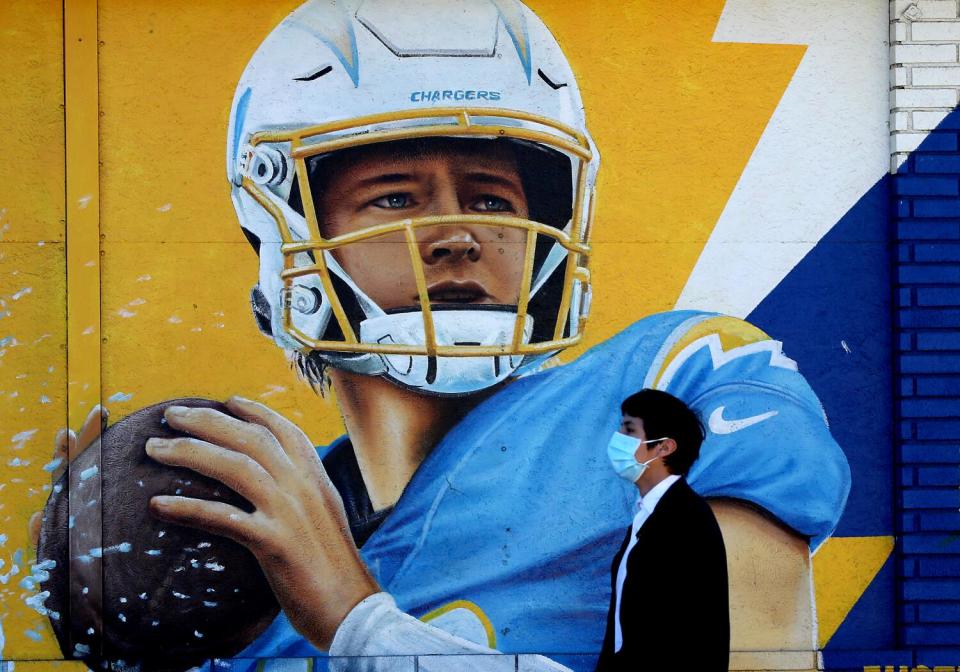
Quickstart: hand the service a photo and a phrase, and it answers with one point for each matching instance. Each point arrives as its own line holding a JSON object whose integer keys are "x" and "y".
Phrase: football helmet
{"x": 343, "y": 74}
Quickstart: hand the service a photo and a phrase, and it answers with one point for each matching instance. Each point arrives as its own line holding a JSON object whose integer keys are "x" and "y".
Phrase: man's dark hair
{"x": 666, "y": 416}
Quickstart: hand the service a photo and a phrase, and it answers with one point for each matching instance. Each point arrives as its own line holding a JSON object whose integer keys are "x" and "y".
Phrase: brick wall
{"x": 925, "y": 81}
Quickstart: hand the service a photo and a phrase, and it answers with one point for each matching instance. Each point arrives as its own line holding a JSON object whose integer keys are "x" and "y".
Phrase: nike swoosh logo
{"x": 719, "y": 425}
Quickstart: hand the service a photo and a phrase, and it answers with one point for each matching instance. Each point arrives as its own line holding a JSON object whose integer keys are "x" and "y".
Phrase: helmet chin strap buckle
{"x": 447, "y": 375}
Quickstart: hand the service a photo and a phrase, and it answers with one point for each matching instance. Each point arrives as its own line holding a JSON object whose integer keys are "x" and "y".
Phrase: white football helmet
{"x": 339, "y": 74}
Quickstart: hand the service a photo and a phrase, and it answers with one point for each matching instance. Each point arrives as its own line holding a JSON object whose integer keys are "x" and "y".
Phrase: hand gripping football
{"x": 126, "y": 590}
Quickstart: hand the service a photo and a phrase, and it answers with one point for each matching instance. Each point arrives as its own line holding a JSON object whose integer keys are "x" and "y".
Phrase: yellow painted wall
{"x": 32, "y": 292}
{"x": 675, "y": 115}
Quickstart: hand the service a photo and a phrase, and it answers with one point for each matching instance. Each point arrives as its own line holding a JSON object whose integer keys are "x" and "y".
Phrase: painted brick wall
{"x": 925, "y": 81}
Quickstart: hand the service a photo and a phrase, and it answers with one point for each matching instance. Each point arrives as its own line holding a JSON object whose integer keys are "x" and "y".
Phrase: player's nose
{"x": 450, "y": 242}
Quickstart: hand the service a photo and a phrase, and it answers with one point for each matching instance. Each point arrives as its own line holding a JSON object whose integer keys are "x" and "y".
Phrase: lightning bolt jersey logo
{"x": 723, "y": 339}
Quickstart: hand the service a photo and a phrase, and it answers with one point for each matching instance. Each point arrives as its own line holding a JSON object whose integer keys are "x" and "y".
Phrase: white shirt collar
{"x": 652, "y": 498}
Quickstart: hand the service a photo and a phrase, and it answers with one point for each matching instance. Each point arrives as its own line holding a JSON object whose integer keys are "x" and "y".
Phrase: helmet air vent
{"x": 316, "y": 73}
{"x": 553, "y": 85}
{"x": 462, "y": 28}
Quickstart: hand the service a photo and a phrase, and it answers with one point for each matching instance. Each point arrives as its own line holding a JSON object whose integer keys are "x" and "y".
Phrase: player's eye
{"x": 393, "y": 201}
{"x": 490, "y": 203}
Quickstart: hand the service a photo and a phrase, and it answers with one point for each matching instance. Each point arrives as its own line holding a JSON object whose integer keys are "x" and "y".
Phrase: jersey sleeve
{"x": 767, "y": 438}
{"x": 377, "y": 637}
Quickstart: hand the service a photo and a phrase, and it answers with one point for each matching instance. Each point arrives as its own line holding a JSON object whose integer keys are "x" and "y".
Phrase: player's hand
{"x": 67, "y": 446}
{"x": 298, "y": 531}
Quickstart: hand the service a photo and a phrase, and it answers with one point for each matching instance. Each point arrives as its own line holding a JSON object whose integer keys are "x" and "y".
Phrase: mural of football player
{"x": 418, "y": 182}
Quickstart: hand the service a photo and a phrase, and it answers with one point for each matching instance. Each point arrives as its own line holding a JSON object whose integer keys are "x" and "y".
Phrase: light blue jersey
{"x": 515, "y": 515}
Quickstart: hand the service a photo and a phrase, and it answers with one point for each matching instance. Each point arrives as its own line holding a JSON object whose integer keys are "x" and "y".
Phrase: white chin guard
{"x": 447, "y": 375}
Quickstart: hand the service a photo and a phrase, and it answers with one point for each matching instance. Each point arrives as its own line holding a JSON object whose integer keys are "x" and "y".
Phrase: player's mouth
{"x": 457, "y": 292}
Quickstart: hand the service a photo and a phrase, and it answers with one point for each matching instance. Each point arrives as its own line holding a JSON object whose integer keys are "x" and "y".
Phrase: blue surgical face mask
{"x": 621, "y": 450}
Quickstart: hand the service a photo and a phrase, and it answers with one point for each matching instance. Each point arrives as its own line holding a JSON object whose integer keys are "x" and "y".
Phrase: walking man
{"x": 669, "y": 604}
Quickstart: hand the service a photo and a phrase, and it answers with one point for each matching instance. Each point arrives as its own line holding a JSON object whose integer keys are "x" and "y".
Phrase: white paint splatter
{"x": 123, "y": 312}
{"x": 214, "y": 566}
{"x": 97, "y": 552}
{"x": 91, "y": 631}
{"x": 137, "y": 302}
{"x": 197, "y": 329}
{"x": 32, "y": 634}
{"x": 153, "y": 551}
{"x": 144, "y": 278}
{"x": 17, "y": 462}
{"x": 197, "y": 634}
{"x": 23, "y": 292}
{"x": 846, "y": 348}
{"x": 36, "y": 601}
{"x": 173, "y": 319}
{"x": 120, "y": 396}
{"x": 90, "y": 472}
{"x": 122, "y": 617}
{"x": 90, "y": 264}
{"x": 165, "y": 207}
{"x": 273, "y": 389}
{"x": 87, "y": 331}
{"x": 44, "y": 399}
{"x": 81, "y": 649}
{"x": 207, "y": 603}
{"x": 180, "y": 596}
{"x": 22, "y": 437}
{"x": 53, "y": 464}
{"x": 122, "y": 547}
{"x": 14, "y": 570}
{"x": 84, "y": 200}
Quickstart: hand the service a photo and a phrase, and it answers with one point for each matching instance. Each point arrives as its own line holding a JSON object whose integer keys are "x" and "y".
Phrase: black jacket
{"x": 674, "y": 610}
